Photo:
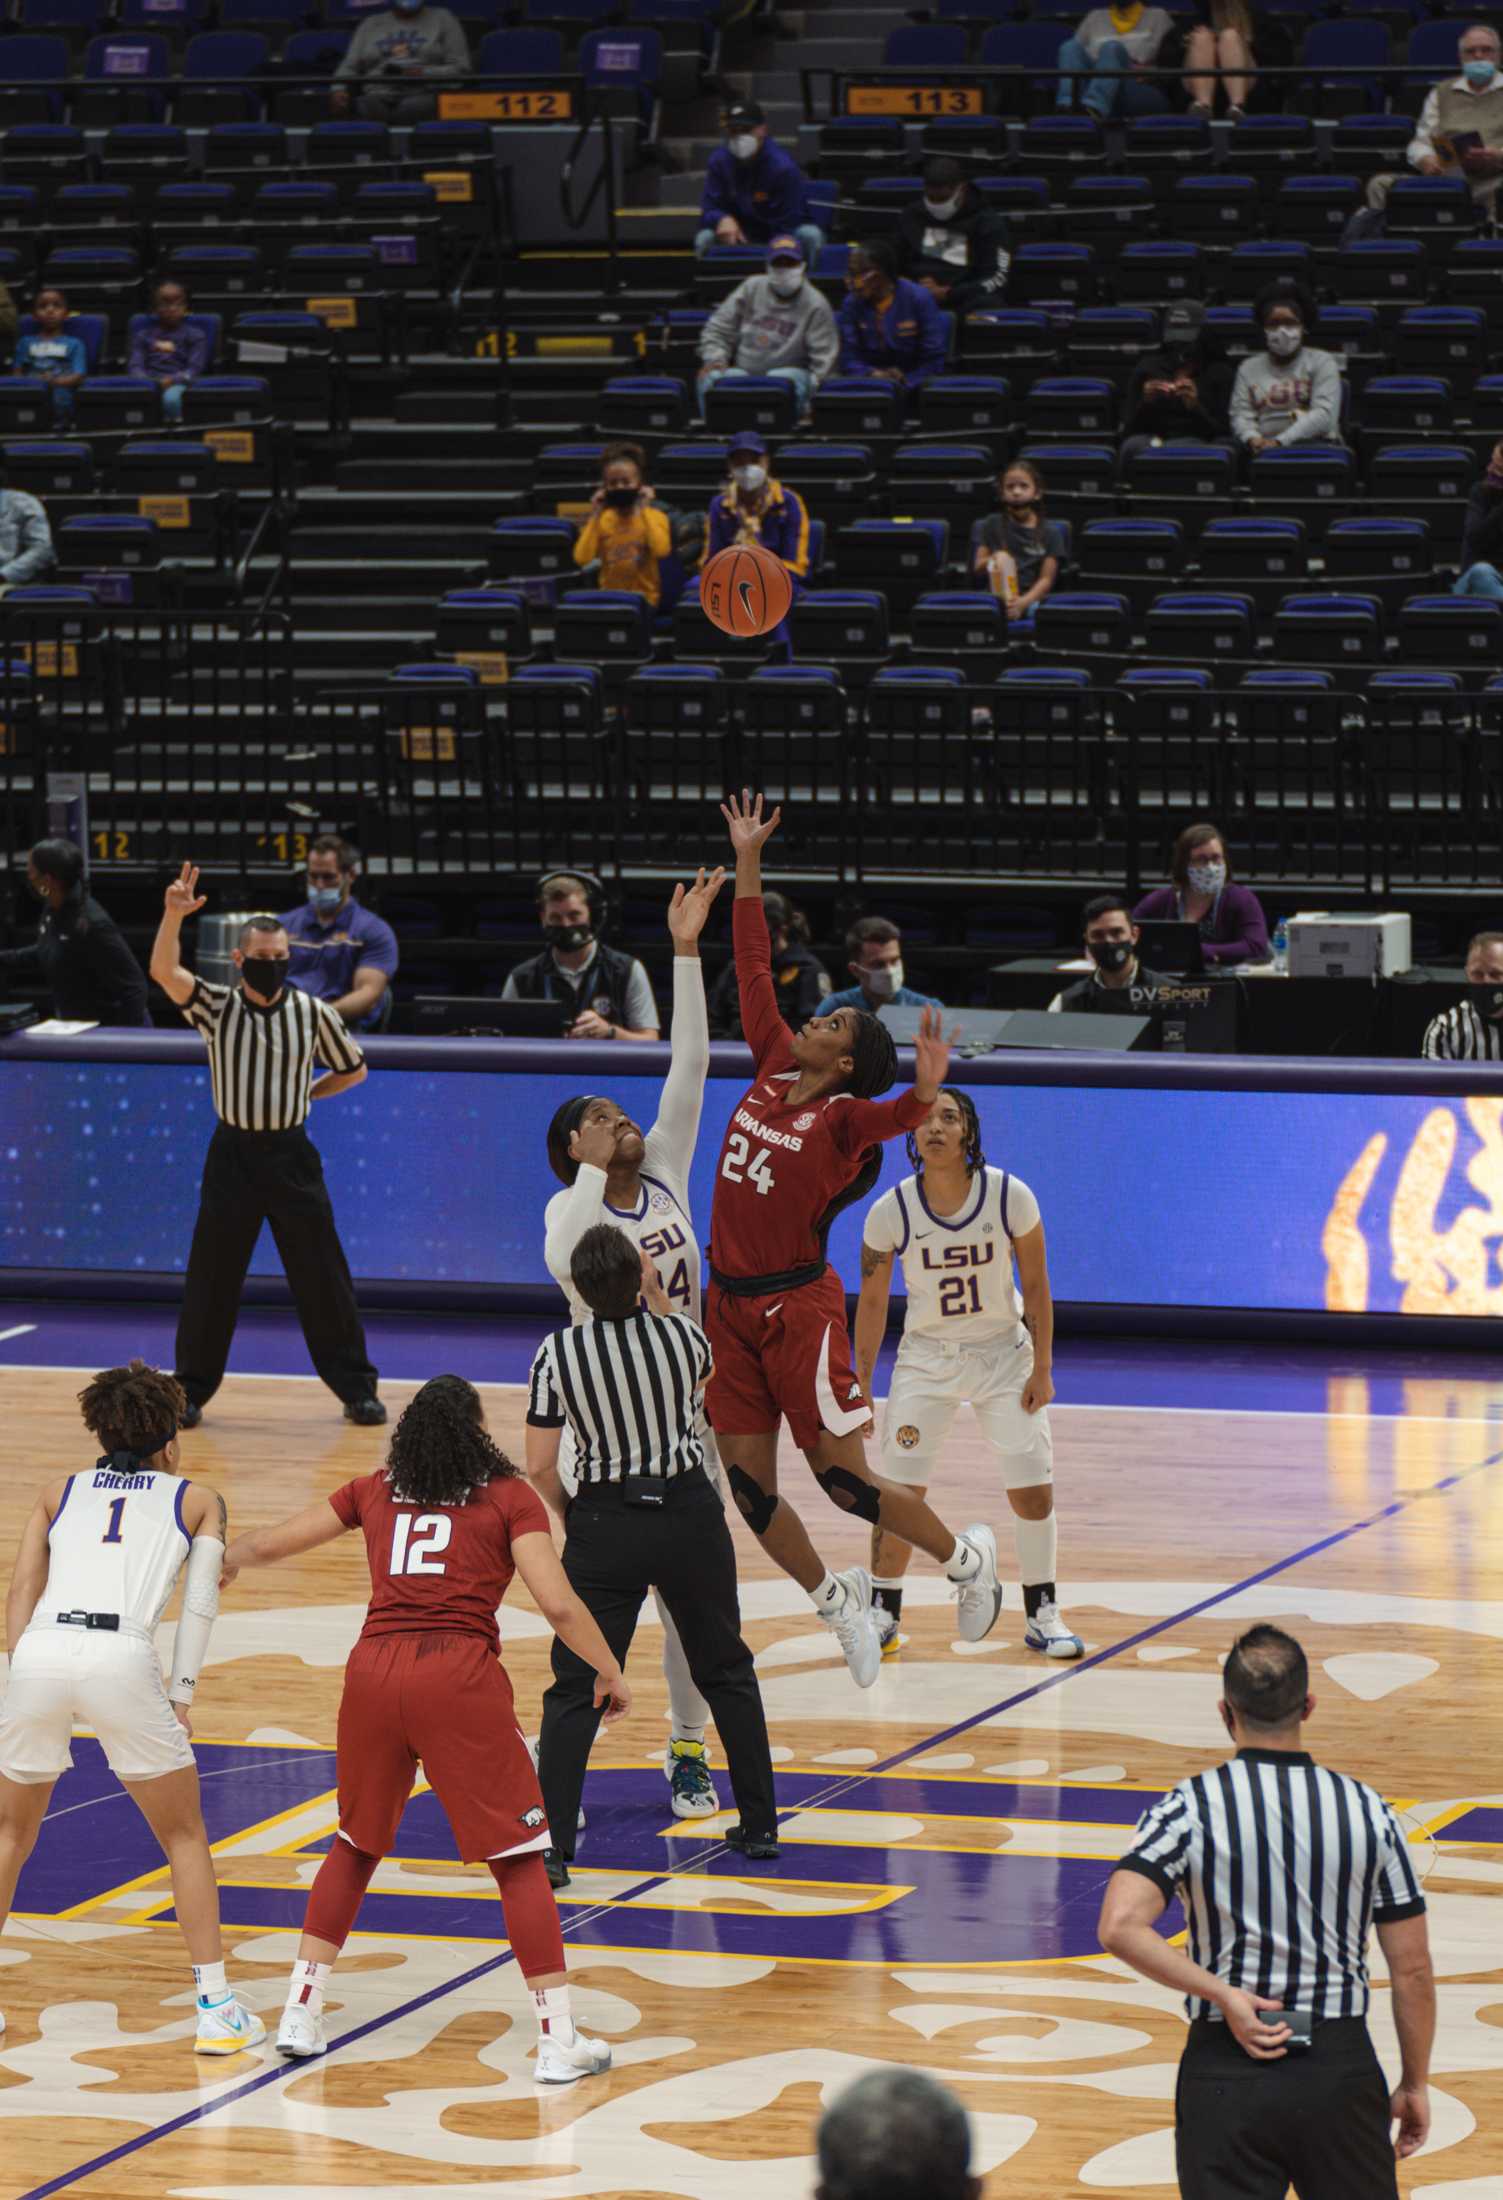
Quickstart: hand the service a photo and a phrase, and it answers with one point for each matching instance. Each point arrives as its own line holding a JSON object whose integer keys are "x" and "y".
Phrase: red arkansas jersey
{"x": 444, "y": 1567}
{"x": 784, "y": 1161}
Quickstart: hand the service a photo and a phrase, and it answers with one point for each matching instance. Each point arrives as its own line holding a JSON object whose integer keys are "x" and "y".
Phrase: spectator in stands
{"x": 51, "y": 353}
{"x": 1472, "y": 1031}
{"x": 1119, "y": 985}
{"x": 1482, "y": 536}
{"x": 890, "y": 328}
{"x": 608, "y": 994}
{"x": 1224, "y": 40}
{"x": 391, "y": 55}
{"x": 79, "y": 953}
{"x": 756, "y": 507}
{"x": 801, "y": 979}
{"x": 1289, "y": 392}
{"x": 1180, "y": 393}
{"x": 895, "y": 2134}
{"x": 1020, "y": 551}
{"x": 874, "y": 946}
{"x": 341, "y": 953}
{"x": 775, "y": 324}
{"x": 1114, "y": 49}
{"x": 9, "y": 319}
{"x": 1229, "y": 918}
{"x": 953, "y": 243}
{"x": 627, "y": 533}
{"x": 754, "y": 191}
{"x": 169, "y": 349}
{"x": 26, "y": 551}
{"x": 1471, "y": 105}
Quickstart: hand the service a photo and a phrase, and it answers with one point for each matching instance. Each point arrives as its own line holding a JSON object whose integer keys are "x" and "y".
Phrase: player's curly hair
{"x": 874, "y": 1057}
{"x": 441, "y": 1448}
{"x": 134, "y": 1408}
{"x": 974, "y": 1158}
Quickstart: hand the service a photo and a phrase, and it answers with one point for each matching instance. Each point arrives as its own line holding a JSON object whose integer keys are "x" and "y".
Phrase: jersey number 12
{"x": 736, "y": 1167}
{"x": 416, "y": 1543}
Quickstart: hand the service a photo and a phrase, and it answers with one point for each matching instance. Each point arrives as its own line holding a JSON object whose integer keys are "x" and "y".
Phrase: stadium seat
{"x": 1134, "y": 557}
{"x": 634, "y": 404}
{"x": 965, "y": 405}
{"x": 1422, "y": 206}
{"x": 901, "y": 556}
{"x": 124, "y": 78}
{"x": 531, "y": 549}
{"x": 1202, "y": 626}
{"x": 1082, "y": 622}
{"x": 1329, "y": 630}
{"x": 1450, "y": 340}
{"x": 221, "y": 72}
{"x": 1062, "y": 273}
{"x": 51, "y": 469}
{"x": 1070, "y": 406}
{"x": 1219, "y": 204}
{"x": 965, "y": 627}
{"x": 603, "y": 626}
{"x": 847, "y": 626}
{"x": 1451, "y": 630}
{"x": 924, "y": 46}
{"x": 757, "y": 402}
{"x": 33, "y": 70}
{"x": 856, "y": 405}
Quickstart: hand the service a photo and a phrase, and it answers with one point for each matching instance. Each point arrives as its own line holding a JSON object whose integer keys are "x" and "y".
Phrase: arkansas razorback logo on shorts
{"x": 533, "y": 1817}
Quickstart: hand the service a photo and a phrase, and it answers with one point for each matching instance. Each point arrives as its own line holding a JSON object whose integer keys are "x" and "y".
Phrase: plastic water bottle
{"x": 1281, "y": 948}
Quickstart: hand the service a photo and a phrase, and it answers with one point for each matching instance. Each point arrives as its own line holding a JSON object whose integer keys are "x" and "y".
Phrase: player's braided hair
{"x": 874, "y": 1058}
{"x": 135, "y": 1408}
{"x": 974, "y": 1158}
{"x": 441, "y": 1448}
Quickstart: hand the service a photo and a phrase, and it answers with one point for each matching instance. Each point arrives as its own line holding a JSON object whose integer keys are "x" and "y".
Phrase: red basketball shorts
{"x": 441, "y": 1701}
{"x": 783, "y": 1357}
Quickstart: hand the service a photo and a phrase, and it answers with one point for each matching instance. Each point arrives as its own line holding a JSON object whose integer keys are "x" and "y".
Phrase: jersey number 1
{"x": 735, "y": 1165}
{"x": 112, "y": 1533}
{"x": 416, "y": 1543}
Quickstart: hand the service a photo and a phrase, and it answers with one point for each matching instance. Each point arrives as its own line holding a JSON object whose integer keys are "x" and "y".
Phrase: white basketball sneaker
{"x": 854, "y": 1625}
{"x": 227, "y": 2029}
{"x": 1047, "y": 1632}
{"x": 560, "y": 2065}
{"x": 301, "y": 2032}
{"x": 980, "y": 1598}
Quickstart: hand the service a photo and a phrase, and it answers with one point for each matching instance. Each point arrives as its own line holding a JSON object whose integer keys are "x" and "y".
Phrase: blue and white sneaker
{"x": 227, "y": 2028}
{"x": 687, "y": 1766}
{"x": 979, "y": 1600}
{"x": 1046, "y": 1632}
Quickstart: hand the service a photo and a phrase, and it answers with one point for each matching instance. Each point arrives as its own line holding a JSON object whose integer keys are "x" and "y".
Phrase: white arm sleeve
{"x": 671, "y": 1141}
{"x": 570, "y": 1214}
{"x": 196, "y": 1620}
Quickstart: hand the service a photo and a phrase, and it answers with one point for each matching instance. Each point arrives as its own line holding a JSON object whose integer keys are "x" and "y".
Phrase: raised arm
{"x": 572, "y": 1212}
{"x": 859, "y": 1123}
{"x": 301, "y": 1531}
{"x": 677, "y": 1126}
{"x": 761, "y": 1020}
{"x": 181, "y": 900}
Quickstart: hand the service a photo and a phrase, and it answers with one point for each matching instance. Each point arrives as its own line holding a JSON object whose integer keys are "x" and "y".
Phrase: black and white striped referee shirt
{"x": 1282, "y": 1867}
{"x": 1459, "y": 1034}
{"x": 261, "y": 1059}
{"x": 629, "y": 1391}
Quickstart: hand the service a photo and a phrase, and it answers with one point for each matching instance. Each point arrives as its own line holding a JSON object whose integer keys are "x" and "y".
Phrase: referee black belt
{"x": 646, "y": 1490}
{"x": 109, "y": 1621}
{"x": 762, "y": 1287}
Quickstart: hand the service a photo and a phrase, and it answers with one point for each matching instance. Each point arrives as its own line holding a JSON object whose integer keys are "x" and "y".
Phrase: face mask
{"x": 786, "y": 281}
{"x": 1479, "y": 74}
{"x": 621, "y": 500}
{"x": 566, "y": 937}
{"x": 326, "y": 899}
{"x": 265, "y": 974}
{"x": 743, "y": 146}
{"x": 1207, "y": 878}
{"x": 749, "y": 477}
{"x": 885, "y": 983}
{"x": 1283, "y": 343}
{"x": 1110, "y": 954}
{"x": 940, "y": 210}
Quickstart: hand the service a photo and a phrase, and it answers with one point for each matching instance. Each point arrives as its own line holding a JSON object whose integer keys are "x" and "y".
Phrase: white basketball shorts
{"x": 110, "y": 1683}
{"x": 930, "y": 1384}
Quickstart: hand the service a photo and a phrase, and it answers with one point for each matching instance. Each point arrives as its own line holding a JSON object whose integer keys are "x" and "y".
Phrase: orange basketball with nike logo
{"x": 745, "y": 590}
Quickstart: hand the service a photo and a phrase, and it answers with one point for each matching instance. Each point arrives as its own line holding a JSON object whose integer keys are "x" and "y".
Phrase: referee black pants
{"x": 251, "y": 1177}
{"x": 1317, "y": 2120}
{"x": 614, "y": 1553}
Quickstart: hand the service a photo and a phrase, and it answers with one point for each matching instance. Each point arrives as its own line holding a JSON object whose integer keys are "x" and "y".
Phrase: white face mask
{"x": 786, "y": 281}
{"x": 748, "y": 477}
{"x": 1207, "y": 878}
{"x": 885, "y": 982}
{"x": 940, "y": 210}
{"x": 1283, "y": 343}
{"x": 744, "y": 146}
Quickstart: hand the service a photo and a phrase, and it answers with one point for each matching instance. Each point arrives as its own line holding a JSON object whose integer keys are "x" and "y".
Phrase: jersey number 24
{"x": 416, "y": 1541}
{"x": 735, "y": 1166}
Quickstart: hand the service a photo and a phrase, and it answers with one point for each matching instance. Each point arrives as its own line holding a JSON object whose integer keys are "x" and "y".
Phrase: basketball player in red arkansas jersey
{"x": 447, "y": 1522}
{"x": 803, "y": 1143}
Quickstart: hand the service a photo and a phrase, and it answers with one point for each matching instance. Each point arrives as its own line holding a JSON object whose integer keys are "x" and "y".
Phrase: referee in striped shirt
{"x": 1282, "y": 1867}
{"x": 261, "y": 1165}
{"x": 645, "y": 1516}
{"x": 1472, "y": 1031}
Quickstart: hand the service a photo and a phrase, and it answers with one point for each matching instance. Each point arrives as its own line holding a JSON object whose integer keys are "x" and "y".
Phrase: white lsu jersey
{"x": 117, "y": 1544}
{"x": 659, "y": 1226}
{"x": 957, "y": 1269}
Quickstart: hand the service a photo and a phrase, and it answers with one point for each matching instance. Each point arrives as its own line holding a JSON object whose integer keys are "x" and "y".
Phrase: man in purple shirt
{"x": 341, "y": 953}
{"x": 169, "y": 349}
{"x": 1229, "y": 918}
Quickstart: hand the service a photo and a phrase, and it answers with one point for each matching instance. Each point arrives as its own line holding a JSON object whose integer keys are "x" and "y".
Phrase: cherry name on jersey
{"x": 442, "y": 1568}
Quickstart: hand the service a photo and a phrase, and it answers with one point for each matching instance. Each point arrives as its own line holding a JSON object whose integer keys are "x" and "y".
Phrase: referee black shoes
{"x": 366, "y": 1412}
{"x": 761, "y": 1848}
{"x": 191, "y": 1415}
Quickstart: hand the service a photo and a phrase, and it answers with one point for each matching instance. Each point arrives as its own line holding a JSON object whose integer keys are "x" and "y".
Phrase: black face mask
{"x": 265, "y": 974}
{"x": 566, "y": 937}
{"x": 1110, "y": 954}
{"x": 621, "y": 500}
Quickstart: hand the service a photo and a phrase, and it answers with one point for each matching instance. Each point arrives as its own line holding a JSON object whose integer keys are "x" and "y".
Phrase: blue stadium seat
{"x": 94, "y": 206}
{"x": 1448, "y": 340}
{"x": 531, "y": 549}
{"x": 964, "y": 404}
{"x": 844, "y": 624}
{"x": 1192, "y": 473}
{"x": 1386, "y": 269}
{"x": 520, "y": 53}
{"x": 1028, "y": 52}
{"x": 1352, "y": 43}
{"x": 1062, "y": 272}
{"x": 631, "y": 404}
{"x": 1115, "y": 553}
{"x": 1251, "y": 267}
{"x": 220, "y": 72}
{"x": 1161, "y": 271}
{"x": 51, "y": 469}
{"x": 758, "y": 402}
{"x": 245, "y": 144}
{"x": 1424, "y": 206}
{"x": 1070, "y": 406}
{"x": 1315, "y": 209}
{"x": 605, "y": 626}
{"x": 124, "y": 77}
{"x": 925, "y": 46}
{"x": 960, "y": 626}
{"x": 72, "y": 19}
{"x": 1451, "y": 630}
{"x": 904, "y": 555}
{"x": 1199, "y": 624}
{"x": 1329, "y": 630}
{"x": 347, "y": 144}
{"x": 108, "y": 539}
{"x": 1222, "y": 203}
{"x": 1302, "y": 474}
{"x": 20, "y": 208}
{"x": 1243, "y": 550}
{"x": 29, "y": 68}
{"x": 1080, "y": 622}
{"x": 628, "y": 61}
{"x": 235, "y": 269}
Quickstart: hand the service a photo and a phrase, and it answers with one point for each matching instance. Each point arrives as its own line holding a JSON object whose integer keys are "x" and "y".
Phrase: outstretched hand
{"x": 692, "y": 904}
{"x": 931, "y": 1053}
{"x": 749, "y": 830}
{"x": 182, "y": 898}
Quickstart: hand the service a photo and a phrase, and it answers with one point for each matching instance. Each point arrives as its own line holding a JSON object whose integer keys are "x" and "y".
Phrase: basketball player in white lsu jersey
{"x": 614, "y": 1174}
{"x": 956, "y": 1226}
{"x": 98, "y": 1560}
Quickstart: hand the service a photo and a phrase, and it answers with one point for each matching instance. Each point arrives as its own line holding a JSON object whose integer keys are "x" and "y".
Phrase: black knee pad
{"x": 850, "y": 1493}
{"x": 752, "y": 1501}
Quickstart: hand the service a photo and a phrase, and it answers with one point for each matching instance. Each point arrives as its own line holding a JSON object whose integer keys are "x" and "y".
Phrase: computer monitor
{"x": 975, "y": 1030}
{"x": 434, "y": 1015}
{"x": 1197, "y": 1015}
{"x": 1166, "y": 944}
{"x": 1088, "y": 1034}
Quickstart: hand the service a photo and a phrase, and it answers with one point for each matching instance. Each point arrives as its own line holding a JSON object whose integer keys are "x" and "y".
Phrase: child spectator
{"x": 627, "y": 533}
{"x": 51, "y": 353}
{"x": 168, "y": 349}
{"x": 1020, "y": 551}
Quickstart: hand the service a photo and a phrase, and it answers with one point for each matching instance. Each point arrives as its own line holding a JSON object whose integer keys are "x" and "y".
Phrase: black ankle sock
{"x": 1035, "y": 1594}
{"x": 887, "y": 1600}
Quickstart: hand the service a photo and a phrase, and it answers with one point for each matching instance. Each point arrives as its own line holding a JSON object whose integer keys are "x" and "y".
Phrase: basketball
{"x": 745, "y": 590}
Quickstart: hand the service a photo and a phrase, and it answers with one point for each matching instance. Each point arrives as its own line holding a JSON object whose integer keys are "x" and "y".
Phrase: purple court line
{"x": 837, "y": 1791}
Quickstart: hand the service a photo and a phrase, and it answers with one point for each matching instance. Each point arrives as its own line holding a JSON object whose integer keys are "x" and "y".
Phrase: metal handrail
{"x": 605, "y": 180}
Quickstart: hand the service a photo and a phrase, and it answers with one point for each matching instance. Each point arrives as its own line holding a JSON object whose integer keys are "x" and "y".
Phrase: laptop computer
{"x": 1105, "y": 1034}
{"x": 1174, "y": 948}
{"x": 434, "y": 1015}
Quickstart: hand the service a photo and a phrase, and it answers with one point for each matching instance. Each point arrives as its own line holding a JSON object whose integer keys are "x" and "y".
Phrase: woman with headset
{"x": 608, "y": 995}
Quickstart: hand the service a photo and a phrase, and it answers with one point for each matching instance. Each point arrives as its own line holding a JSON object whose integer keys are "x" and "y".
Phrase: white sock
{"x": 305, "y": 1988}
{"x": 213, "y": 1986}
{"x": 828, "y": 1597}
{"x": 1038, "y": 1549}
{"x": 691, "y": 1714}
{"x": 555, "y": 2021}
{"x": 965, "y": 1561}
